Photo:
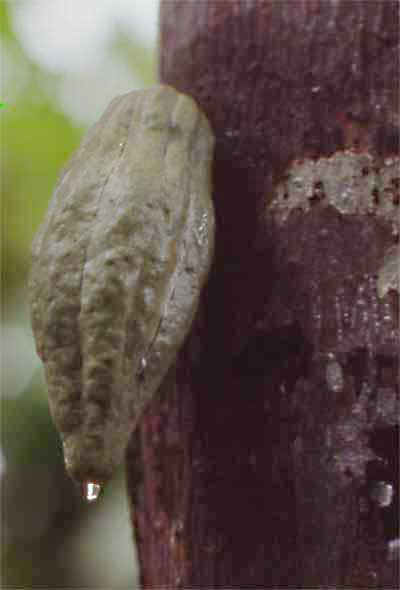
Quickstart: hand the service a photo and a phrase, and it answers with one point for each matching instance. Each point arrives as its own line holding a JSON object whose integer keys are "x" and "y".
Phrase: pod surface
{"x": 118, "y": 267}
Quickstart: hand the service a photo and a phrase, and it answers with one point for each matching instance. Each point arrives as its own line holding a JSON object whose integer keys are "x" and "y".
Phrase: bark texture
{"x": 265, "y": 460}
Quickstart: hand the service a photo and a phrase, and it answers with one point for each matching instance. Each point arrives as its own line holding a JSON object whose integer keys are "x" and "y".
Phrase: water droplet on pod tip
{"x": 90, "y": 491}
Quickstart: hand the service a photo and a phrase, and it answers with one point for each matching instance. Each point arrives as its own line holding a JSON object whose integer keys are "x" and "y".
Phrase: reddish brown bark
{"x": 248, "y": 470}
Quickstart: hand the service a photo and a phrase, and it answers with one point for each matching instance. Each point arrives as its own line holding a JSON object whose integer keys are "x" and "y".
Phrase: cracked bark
{"x": 260, "y": 463}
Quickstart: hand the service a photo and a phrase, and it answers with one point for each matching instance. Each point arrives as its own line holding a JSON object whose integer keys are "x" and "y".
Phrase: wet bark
{"x": 269, "y": 459}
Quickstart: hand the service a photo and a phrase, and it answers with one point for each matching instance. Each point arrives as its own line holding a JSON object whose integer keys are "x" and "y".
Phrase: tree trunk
{"x": 269, "y": 459}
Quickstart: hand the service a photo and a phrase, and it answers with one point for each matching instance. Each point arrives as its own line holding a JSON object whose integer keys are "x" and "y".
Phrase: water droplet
{"x": 387, "y": 313}
{"x": 90, "y": 491}
{"x": 394, "y": 549}
{"x": 232, "y": 132}
{"x": 142, "y": 368}
{"x": 178, "y": 527}
{"x": 179, "y": 581}
{"x": 334, "y": 374}
{"x": 382, "y": 494}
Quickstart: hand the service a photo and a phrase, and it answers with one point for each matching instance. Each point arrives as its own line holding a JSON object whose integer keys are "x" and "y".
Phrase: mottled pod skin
{"x": 118, "y": 267}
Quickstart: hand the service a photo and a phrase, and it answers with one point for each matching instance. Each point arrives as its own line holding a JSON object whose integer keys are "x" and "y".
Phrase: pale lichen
{"x": 352, "y": 183}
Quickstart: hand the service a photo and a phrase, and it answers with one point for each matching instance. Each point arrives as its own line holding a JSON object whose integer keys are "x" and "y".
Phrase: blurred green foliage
{"x": 36, "y": 139}
{"x": 41, "y": 509}
{"x": 138, "y": 57}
